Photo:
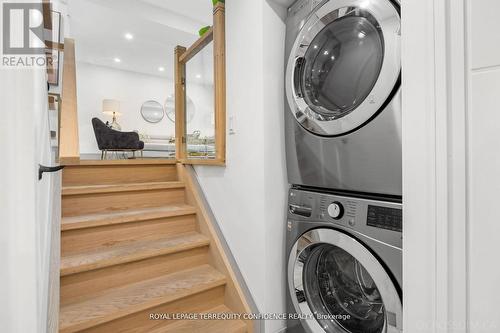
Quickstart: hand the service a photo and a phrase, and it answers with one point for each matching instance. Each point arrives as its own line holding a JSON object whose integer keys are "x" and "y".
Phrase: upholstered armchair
{"x": 111, "y": 140}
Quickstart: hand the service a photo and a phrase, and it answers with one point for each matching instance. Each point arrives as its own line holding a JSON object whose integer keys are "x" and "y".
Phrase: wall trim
{"x": 434, "y": 166}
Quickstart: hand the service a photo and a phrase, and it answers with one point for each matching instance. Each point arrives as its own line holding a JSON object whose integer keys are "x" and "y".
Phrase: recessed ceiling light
{"x": 198, "y": 76}
{"x": 129, "y": 36}
{"x": 161, "y": 69}
{"x": 117, "y": 60}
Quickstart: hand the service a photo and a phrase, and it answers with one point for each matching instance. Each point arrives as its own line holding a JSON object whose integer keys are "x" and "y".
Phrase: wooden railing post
{"x": 219, "y": 31}
{"x": 180, "y": 103}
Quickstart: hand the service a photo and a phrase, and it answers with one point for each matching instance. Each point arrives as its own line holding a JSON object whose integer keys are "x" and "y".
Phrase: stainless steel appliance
{"x": 343, "y": 98}
{"x": 344, "y": 270}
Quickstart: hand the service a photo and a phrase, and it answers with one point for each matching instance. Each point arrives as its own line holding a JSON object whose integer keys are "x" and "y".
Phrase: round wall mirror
{"x": 152, "y": 112}
{"x": 170, "y": 108}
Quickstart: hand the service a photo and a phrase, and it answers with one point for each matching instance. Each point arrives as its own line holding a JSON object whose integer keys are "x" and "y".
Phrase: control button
{"x": 352, "y": 222}
{"x": 335, "y": 210}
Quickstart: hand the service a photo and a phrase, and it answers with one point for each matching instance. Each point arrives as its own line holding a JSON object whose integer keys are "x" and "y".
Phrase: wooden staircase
{"x": 135, "y": 241}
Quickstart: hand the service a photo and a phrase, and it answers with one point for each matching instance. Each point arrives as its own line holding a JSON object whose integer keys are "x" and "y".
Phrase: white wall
{"x": 236, "y": 192}
{"x": 483, "y": 163}
{"x": 248, "y": 195}
{"x": 275, "y": 180}
{"x": 25, "y": 202}
{"x": 95, "y": 83}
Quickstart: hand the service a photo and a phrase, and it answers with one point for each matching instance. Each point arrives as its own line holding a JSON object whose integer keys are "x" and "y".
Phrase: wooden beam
{"x": 197, "y": 46}
{"x": 180, "y": 103}
{"x": 69, "y": 149}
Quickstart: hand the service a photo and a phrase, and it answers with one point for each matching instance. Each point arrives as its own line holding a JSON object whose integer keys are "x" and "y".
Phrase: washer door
{"x": 341, "y": 286}
{"x": 344, "y": 65}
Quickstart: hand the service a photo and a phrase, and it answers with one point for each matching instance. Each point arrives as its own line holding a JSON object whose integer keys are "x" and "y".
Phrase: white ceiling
{"x": 199, "y": 10}
{"x": 99, "y": 26}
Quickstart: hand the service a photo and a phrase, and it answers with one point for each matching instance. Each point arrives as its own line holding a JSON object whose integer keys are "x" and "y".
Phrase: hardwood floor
{"x": 134, "y": 241}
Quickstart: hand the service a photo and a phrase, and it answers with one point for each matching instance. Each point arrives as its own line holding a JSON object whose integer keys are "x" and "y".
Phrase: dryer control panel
{"x": 377, "y": 219}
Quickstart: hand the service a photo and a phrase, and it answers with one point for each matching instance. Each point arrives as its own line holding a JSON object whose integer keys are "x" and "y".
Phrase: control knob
{"x": 336, "y": 210}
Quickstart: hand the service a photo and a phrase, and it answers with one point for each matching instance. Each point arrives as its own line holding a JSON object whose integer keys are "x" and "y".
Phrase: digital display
{"x": 385, "y": 218}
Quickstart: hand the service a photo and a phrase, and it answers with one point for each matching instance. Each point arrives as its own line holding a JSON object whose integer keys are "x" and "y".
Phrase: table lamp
{"x": 111, "y": 107}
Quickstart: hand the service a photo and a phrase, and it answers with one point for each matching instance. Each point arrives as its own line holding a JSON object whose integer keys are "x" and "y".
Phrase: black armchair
{"x": 110, "y": 140}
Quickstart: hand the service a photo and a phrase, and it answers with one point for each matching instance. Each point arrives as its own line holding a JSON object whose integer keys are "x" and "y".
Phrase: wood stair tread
{"x": 110, "y": 188}
{"x": 125, "y": 216}
{"x": 119, "y": 302}
{"x": 205, "y": 326}
{"x": 124, "y": 252}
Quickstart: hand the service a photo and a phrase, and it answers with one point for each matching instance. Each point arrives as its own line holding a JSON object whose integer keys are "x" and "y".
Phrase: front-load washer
{"x": 343, "y": 97}
{"x": 344, "y": 267}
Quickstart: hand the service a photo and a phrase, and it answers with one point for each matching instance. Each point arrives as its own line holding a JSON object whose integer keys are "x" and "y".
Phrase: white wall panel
{"x": 484, "y": 37}
{"x": 484, "y": 189}
{"x": 274, "y": 161}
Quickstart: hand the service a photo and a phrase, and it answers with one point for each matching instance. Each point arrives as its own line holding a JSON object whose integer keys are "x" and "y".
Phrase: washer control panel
{"x": 385, "y": 218}
{"x": 381, "y": 220}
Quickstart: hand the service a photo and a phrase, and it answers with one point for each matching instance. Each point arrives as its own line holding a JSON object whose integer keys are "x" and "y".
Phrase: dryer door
{"x": 340, "y": 286}
{"x": 344, "y": 65}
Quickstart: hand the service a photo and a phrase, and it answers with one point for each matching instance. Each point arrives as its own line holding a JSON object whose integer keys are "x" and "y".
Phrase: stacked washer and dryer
{"x": 343, "y": 142}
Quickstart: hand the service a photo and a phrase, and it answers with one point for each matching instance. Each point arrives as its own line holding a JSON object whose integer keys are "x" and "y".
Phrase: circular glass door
{"x": 338, "y": 282}
{"x": 341, "y": 68}
{"x": 344, "y": 65}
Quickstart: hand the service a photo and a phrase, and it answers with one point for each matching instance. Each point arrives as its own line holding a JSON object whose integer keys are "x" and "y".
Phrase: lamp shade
{"x": 111, "y": 106}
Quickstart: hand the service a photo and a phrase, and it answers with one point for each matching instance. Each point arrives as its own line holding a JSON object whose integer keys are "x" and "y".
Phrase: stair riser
{"x": 140, "y": 322}
{"x": 85, "y": 285}
{"x": 92, "y": 238}
{"x": 118, "y": 174}
{"x": 74, "y": 205}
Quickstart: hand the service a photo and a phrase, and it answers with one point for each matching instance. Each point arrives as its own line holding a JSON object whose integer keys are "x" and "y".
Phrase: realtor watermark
{"x": 246, "y": 316}
{"x": 23, "y": 36}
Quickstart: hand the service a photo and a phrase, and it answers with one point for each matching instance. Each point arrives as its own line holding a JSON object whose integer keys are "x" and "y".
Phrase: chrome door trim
{"x": 388, "y": 18}
{"x": 388, "y": 291}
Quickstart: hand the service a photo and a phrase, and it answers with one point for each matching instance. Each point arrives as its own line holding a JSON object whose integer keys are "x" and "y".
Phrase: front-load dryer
{"x": 344, "y": 267}
{"x": 343, "y": 97}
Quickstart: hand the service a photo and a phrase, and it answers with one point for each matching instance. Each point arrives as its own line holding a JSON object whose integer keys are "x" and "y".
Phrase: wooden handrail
{"x": 69, "y": 149}
{"x": 197, "y": 46}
